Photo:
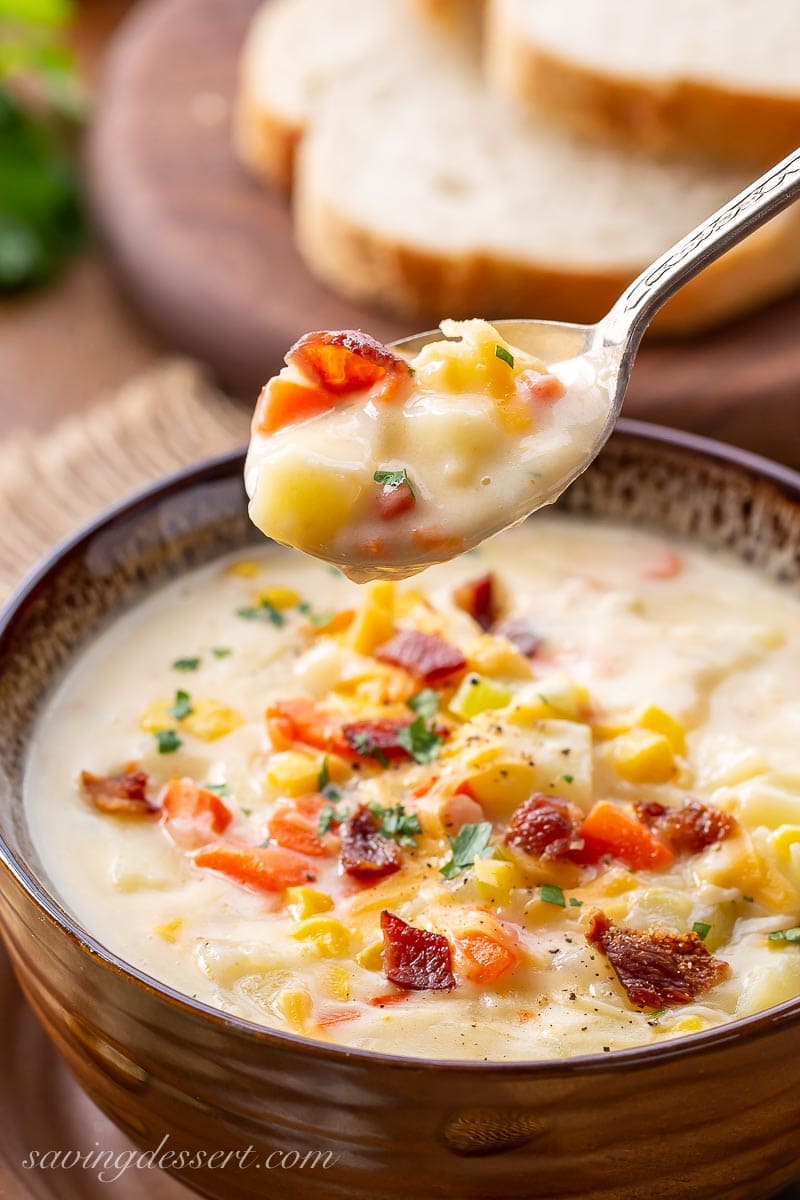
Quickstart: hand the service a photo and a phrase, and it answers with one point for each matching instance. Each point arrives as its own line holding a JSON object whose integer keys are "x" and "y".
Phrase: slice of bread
{"x": 420, "y": 193}
{"x": 717, "y": 76}
{"x": 296, "y": 51}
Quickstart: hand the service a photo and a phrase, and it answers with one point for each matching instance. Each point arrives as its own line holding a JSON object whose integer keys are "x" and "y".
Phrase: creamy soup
{"x": 542, "y": 801}
{"x": 384, "y": 467}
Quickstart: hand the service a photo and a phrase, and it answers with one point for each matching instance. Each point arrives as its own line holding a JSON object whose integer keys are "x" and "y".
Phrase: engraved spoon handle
{"x": 638, "y": 304}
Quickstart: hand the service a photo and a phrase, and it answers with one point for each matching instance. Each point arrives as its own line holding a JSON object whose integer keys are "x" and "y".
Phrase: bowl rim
{"x": 220, "y": 467}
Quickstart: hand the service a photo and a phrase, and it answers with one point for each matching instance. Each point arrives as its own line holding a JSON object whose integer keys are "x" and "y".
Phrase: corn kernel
{"x": 277, "y": 597}
{"x": 169, "y": 930}
{"x": 407, "y": 601}
{"x": 604, "y": 731}
{"x": 305, "y": 902}
{"x": 655, "y": 719}
{"x": 477, "y": 694}
{"x": 374, "y": 621}
{"x": 211, "y": 719}
{"x": 371, "y": 957}
{"x": 337, "y": 983}
{"x": 245, "y": 568}
{"x": 641, "y": 756}
{"x": 689, "y": 1025}
{"x": 784, "y": 838}
{"x": 295, "y": 1006}
{"x": 330, "y": 936}
{"x": 157, "y": 716}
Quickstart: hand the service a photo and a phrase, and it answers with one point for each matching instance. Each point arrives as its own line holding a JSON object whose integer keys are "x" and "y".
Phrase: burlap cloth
{"x": 51, "y": 484}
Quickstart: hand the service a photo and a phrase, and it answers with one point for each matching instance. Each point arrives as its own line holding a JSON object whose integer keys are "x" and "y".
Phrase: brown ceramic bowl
{"x": 710, "y": 1115}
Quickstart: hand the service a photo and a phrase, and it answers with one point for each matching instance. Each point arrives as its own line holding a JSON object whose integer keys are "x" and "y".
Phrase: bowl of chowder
{"x": 485, "y": 883}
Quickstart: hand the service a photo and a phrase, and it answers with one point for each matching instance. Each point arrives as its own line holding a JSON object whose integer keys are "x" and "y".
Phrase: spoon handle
{"x": 638, "y": 304}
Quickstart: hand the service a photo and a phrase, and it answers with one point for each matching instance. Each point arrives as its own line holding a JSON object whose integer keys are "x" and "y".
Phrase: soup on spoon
{"x": 383, "y": 466}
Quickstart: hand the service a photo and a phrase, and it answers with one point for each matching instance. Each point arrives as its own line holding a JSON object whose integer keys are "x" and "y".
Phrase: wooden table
{"x": 65, "y": 345}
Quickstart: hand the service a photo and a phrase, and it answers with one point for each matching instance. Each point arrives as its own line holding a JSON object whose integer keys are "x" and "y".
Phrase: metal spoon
{"x": 611, "y": 345}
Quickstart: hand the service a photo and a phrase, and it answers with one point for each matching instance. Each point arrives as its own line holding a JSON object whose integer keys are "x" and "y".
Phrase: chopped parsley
{"x": 786, "y": 935}
{"x": 568, "y": 778}
{"x": 362, "y": 743}
{"x": 425, "y": 703}
{"x": 551, "y": 894}
{"x": 505, "y": 355}
{"x": 182, "y": 706}
{"x": 394, "y": 479}
{"x": 168, "y": 741}
{"x": 471, "y": 842}
{"x": 317, "y": 619}
{"x": 421, "y": 741}
{"x": 397, "y": 823}
{"x": 221, "y": 651}
{"x": 247, "y": 812}
{"x": 323, "y": 778}
{"x": 702, "y": 929}
{"x": 263, "y": 612}
{"x": 656, "y": 1013}
{"x": 186, "y": 664}
{"x": 219, "y": 789}
{"x": 575, "y": 903}
{"x": 329, "y": 815}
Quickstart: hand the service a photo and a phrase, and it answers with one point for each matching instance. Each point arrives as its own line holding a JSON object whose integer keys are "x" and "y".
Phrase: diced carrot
{"x": 337, "y": 1016}
{"x": 394, "y": 501}
{"x": 483, "y": 959}
{"x": 284, "y": 402}
{"x": 666, "y": 566}
{"x": 294, "y": 823}
{"x": 544, "y": 388}
{"x": 290, "y": 722}
{"x": 388, "y": 998}
{"x": 193, "y": 816}
{"x": 265, "y": 868}
{"x": 338, "y": 622}
{"x": 608, "y": 829}
{"x": 431, "y": 538}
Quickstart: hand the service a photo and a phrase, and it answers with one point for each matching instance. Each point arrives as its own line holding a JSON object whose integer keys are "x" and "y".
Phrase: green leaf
{"x": 329, "y": 815}
{"x": 470, "y": 842}
{"x": 221, "y": 651}
{"x": 425, "y": 703}
{"x": 506, "y": 355}
{"x": 396, "y": 823}
{"x": 264, "y": 612}
{"x": 551, "y": 894}
{"x": 323, "y": 778}
{"x": 786, "y": 935}
{"x": 168, "y": 741}
{"x": 186, "y": 664}
{"x": 702, "y": 929}
{"x": 363, "y": 744}
{"x": 421, "y": 742}
{"x": 219, "y": 789}
{"x": 394, "y": 479}
{"x": 575, "y": 903}
{"x": 182, "y": 706}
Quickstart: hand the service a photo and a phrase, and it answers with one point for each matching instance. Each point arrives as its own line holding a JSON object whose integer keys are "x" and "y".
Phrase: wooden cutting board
{"x": 207, "y": 255}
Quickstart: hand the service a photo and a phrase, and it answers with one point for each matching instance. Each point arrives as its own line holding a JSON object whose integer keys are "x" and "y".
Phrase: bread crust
{"x": 681, "y": 117}
{"x": 265, "y": 142}
{"x": 410, "y": 281}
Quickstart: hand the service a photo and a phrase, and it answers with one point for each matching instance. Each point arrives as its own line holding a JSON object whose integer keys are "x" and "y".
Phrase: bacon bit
{"x": 415, "y": 959}
{"x": 347, "y": 361}
{"x": 478, "y": 598}
{"x": 193, "y": 816}
{"x": 545, "y": 826}
{"x": 265, "y": 868}
{"x": 388, "y": 998}
{"x": 294, "y": 825}
{"x": 394, "y": 500}
{"x": 426, "y": 655}
{"x": 521, "y": 634}
{"x": 666, "y": 566}
{"x": 366, "y": 854}
{"x": 689, "y": 829}
{"x": 284, "y": 402}
{"x": 375, "y": 739}
{"x": 656, "y": 968}
{"x": 524, "y": 1015}
{"x": 124, "y": 794}
{"x": 338, "y": 1016}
